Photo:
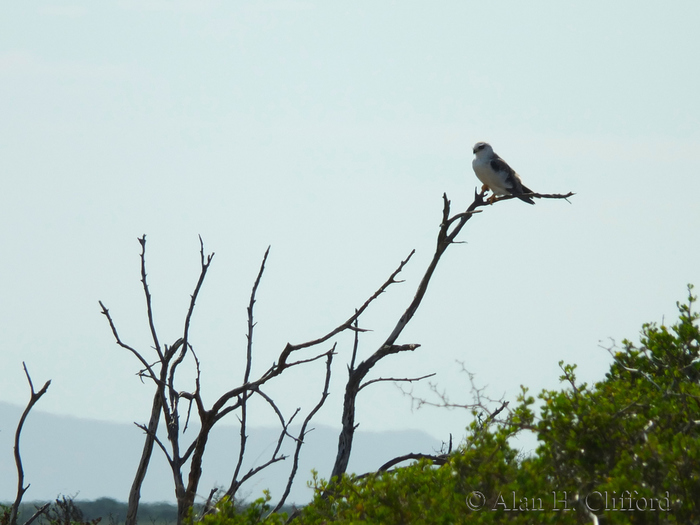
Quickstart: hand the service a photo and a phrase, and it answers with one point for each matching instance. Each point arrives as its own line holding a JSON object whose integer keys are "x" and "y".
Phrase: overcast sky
{"x": 330, "y": 130}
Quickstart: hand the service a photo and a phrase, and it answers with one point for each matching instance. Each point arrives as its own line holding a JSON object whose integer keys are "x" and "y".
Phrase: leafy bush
{"x": 626, "y": 450}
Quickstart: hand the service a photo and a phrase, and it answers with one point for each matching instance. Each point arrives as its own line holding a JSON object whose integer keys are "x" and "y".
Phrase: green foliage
{"x": 639, "y": 429}
{"x": 227, "y": 513}
{"x": 476, "y": 485}
{"x": 626, "y": 449}
{"x": 404, "y": 496}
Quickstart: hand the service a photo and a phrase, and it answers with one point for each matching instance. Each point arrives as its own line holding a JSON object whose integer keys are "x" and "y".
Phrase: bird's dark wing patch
{"x": 511, "y": 181}
{"x": 513, "y": 184}
{"x": 500, "y": 165}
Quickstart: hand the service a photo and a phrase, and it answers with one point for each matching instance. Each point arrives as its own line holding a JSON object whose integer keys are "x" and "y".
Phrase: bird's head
{"x": 482, "y": 148}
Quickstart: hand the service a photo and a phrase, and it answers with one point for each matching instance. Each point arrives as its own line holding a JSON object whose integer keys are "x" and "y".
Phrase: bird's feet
{"x": 482, "y": 195}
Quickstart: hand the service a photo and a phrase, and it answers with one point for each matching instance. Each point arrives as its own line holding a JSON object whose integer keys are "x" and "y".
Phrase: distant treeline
{"x": 111, "y": 511}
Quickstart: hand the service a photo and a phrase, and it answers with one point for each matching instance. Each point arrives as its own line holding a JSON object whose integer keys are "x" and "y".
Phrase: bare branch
{"x": 235, "y": 482}
{"x": 391, "y": 280}
{"x": 249, "y": 362}
{"x": 251, "y": 323}
{"x": 21, "y": 489}
{"x": 131, "y": 349}
{"x": 303, "y": 432}
{"x": 355, "y": 344}
{"x": 356, "y": 328}
{"x": 352, "y": 388}
{"x": 272, "y": 372}
{"x": 445, "y": 238}
{"x": 39, "y": 512}
{"x": 205, "y": 262}
{"x": 252, "y": 472}
{"x": 481, "y": 402}
{"x": 235, "y": 485}
{"x": 222, "y": 412}
{"x": 208, "y": 508}
{"x": 564, "y": 196}
{"x": 147, "y": 293}
{"x": 172, "y": 393}
{"x": 156, "y": 406}
{"x": 195, "y": 397}
{"x": 157, "y": 440}
{"x": 458, "y": 216}
{"x": 437, "y": 460}
{"x": 492, "y": 415}
{"x": 395, "y": 380}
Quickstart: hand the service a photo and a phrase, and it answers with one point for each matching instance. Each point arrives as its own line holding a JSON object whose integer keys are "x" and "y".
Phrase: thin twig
{"x": 394, "y": 380}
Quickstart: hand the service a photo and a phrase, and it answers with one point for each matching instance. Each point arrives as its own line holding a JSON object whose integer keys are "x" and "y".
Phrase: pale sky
{"x": 330, "y": 130}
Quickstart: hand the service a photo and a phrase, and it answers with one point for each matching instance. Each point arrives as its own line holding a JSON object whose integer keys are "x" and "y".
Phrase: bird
{"x": 497, "y": 175}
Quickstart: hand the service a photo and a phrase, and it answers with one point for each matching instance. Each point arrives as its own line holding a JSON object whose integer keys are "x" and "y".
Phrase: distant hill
{"x": 93, "y": 459}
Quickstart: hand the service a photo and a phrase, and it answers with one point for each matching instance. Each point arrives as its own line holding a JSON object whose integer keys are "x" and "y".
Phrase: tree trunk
{"x": 135, "y": 493}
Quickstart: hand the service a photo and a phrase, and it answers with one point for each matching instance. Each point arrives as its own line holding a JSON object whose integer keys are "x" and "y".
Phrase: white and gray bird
{"x": 496, "y": 175}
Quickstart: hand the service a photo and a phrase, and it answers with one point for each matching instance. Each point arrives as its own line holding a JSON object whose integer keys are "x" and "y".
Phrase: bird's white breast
{"x": 494, "y": 180}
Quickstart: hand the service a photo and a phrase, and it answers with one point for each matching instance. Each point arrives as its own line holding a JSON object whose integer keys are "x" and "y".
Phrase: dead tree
{"x": 449, "y": 229}
{"x": 21, "y": 489}
{"x": 166, "y": 402}
{"x": 167, "y": 398}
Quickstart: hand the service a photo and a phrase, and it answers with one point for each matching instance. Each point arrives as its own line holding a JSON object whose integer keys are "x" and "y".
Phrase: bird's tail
{"x": 527, "y": 199}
